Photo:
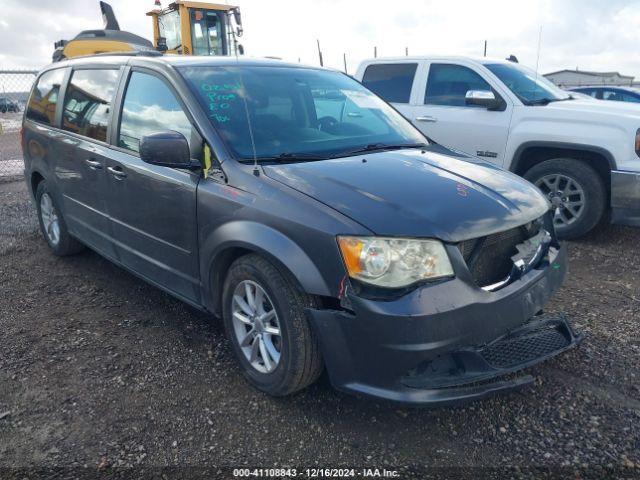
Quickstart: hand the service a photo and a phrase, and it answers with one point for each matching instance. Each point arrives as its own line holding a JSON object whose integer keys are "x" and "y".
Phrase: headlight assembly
{"x": 394, "y": 262}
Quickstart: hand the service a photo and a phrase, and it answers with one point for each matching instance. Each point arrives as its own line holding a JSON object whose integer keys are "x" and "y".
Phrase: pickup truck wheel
{"x": 576, "y": 192}
{"x": 52, "y": 224}
{"x": 266, "y": 323}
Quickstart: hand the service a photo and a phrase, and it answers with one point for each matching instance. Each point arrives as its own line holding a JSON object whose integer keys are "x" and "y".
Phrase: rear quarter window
{"x": 391, "y": 81}
{"x": 44, "y": 97}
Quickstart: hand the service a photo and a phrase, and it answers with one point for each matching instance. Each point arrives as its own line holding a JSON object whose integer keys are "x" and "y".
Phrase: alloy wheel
{"x": 566, "y": 195}
{"x": 256, "y": 326}
{"x": 50, "y": 219}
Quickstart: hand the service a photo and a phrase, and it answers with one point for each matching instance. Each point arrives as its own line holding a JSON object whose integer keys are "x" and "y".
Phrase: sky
{"x": 587, "y": 34}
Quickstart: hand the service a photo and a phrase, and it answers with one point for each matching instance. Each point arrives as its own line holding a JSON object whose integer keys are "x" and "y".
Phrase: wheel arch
{"x": 35, "y": 179}
{"x": 530, "y": 154}
{"x": 230, "y": 242}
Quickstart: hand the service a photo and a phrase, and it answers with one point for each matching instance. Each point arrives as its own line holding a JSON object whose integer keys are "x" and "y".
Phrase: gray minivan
{"x": 324, "y": 229}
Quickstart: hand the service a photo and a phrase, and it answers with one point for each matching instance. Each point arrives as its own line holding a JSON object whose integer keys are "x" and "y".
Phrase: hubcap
{"x": 256, "y": 326}
{"x": 50, "y": 219}
{"x": 566, "y": 195}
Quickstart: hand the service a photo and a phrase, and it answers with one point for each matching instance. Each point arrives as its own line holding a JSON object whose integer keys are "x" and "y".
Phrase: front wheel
{"x": 576, "y": 192}
{"x": 265, "y": 321}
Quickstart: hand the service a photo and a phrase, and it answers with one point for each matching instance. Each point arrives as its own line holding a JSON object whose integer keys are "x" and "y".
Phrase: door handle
{"x": 117, "y": 172}
{"x": 93, "y": 164}
{"x": 426, "y": 119}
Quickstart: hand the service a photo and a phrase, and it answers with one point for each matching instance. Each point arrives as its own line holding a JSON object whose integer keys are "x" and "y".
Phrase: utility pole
{"x": 485, "y": 48}
{"x": 344, "y": 60}
{"x": 320, "y": 54}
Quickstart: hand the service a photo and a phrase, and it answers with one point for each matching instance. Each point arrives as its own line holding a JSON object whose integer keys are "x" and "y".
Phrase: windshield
{"x": 529, "y": 87}
{"x": 295, "y": 111}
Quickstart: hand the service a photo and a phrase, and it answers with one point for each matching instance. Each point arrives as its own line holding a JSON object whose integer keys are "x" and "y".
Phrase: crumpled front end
{"x": 450, "y": 341}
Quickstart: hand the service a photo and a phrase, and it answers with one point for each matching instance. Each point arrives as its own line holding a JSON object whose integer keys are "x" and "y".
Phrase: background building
{"x": 577, "y": 78}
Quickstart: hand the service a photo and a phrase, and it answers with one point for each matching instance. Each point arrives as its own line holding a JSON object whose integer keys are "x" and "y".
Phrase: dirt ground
{"x": 100, "y": 371}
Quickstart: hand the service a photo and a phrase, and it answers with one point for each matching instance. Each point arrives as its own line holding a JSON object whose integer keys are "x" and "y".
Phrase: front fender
{"x": 270, "y": 243}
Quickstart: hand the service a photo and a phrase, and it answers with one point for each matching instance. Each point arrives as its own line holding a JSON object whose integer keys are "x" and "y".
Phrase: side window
{"x": 43, "y": 100}
{"x": 628, "y": 97}
{"x": 448, "y": 84}
{"x": 149, "y": 106}
{"x": 619, "y": 96}
{"x": 87, "y": 103}
{"x": 391, "y": 81}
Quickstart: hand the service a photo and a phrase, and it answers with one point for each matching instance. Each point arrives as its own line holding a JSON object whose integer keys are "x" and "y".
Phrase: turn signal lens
{"x": 638, "y": 142}
{"x": 351, "y": 249}
{"x": 394, "y": 262}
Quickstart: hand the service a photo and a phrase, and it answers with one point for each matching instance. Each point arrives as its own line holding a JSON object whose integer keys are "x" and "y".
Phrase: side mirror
{"x": 167, "y": 149}
{"x": 240, "y": 49}
{"x": 482, "y": 98}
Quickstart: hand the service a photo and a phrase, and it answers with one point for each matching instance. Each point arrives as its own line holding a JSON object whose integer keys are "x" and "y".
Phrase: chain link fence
{"x": 15, "y": 86}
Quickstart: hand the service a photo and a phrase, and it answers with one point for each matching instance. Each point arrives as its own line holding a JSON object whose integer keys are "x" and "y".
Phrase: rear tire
{"x": 576, "y": 189}
{"x": 299, "y": 361}
{"x": 52, "y": 224}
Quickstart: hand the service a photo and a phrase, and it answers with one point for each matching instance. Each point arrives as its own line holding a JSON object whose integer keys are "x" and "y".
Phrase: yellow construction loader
{"x": 184, "y": 27}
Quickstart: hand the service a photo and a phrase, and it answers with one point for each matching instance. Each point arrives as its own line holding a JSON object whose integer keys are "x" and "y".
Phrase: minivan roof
{"x": 175, "y": 60}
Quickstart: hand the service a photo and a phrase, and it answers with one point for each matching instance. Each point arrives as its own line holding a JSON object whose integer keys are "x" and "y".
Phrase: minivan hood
{"x": 418, "y": 194}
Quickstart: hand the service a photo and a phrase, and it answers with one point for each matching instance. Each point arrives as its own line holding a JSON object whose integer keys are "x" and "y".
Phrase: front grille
{"x": 489, "y": 258}
{"x": 518, "y": 350}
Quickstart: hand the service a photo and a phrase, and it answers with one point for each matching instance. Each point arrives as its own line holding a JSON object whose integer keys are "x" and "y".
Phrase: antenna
{"x": 344, "y": 60}
{"x": 485, "y": 48}
{"x": 320, "y": 53}
{"x": 256, "y": 170}
{"x": 538, "y": 57}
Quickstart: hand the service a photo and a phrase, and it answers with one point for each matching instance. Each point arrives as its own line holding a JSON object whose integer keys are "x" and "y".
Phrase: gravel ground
{"x": 100, "y": 371}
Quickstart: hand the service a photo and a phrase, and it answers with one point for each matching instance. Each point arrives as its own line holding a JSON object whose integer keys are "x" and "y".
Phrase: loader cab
{"x": 194, "y": 28}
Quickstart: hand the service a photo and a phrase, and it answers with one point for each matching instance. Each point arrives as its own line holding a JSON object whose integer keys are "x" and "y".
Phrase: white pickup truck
{"x": 584, "y": 154}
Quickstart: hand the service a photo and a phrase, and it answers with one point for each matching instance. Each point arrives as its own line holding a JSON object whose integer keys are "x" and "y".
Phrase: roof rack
{"x": 142, "y": 53}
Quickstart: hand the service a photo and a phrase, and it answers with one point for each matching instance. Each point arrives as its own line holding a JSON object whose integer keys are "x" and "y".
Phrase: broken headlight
{"x": 394, "y": 262}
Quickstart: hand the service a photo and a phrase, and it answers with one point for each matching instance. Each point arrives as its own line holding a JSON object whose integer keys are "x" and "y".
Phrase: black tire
{"x": 300, "y": 362}
{"x": 66, "y": 245}
{"x": 595, "y": 193}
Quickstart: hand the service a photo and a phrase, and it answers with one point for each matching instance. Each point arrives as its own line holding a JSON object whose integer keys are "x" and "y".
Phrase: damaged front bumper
{"x": 445, "y": 343}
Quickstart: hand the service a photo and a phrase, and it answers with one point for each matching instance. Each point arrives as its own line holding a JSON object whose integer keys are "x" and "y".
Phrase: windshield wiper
{"x": 377, "y": 147}
{"x": 286, "y": 156}
{"x": 546, "y": 101}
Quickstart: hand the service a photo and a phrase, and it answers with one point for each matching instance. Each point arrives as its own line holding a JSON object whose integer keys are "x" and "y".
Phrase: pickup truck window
{"x": 391, "y": 81}
{"x": 529, "y": 87}
{"x": 42, "y": 104}
{"x": 448, "y": 84}
{"x": 87, "y": 103}
{"x": 149, "y": 106}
